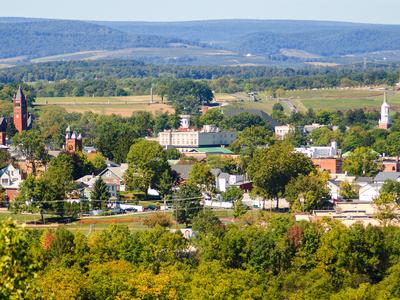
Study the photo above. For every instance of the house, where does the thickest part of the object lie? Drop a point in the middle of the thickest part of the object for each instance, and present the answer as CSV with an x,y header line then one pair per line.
x,y
369,192
363,181
112,176
391,164
10,179
183,170
310,128
334,189
320,151
282,131
381,177
332,165
224,180
185,139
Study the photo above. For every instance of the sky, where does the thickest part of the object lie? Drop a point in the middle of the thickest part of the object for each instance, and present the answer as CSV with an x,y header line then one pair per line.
x,y
366,11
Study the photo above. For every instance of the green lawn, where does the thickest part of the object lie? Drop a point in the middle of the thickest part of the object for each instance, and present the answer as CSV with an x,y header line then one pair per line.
x,y
87,225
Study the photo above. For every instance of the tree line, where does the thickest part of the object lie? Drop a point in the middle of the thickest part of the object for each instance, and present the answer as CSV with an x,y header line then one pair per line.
x,y
261,256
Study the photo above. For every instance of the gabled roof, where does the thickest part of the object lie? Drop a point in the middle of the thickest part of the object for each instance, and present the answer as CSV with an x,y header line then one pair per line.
x,y
365,179
183,170
117,171
383,176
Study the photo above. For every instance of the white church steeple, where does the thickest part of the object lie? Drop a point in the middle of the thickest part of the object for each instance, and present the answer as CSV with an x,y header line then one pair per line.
x,y
385,122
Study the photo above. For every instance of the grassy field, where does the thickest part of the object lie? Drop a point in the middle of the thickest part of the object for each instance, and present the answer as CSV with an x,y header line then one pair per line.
x,y
87,225
342,99
124,106
339,99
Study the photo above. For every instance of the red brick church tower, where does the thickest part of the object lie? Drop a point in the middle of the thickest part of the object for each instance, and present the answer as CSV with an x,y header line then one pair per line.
x,y
73,141
20,111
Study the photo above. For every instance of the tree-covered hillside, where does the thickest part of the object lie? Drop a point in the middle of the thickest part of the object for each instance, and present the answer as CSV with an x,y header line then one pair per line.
x,y
267,38
41,38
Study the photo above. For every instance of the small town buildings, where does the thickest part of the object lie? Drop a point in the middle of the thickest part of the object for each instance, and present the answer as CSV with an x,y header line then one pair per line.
x,y
185,139
320,151
73,141
381,177
283,130
310,128
10,179
385,121
391,164
369,192
332,165
112,176
224,180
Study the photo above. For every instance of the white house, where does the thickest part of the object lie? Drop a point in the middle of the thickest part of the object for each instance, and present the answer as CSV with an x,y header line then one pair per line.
x,y
112,176
320,151
282,131
369,192
334,189
224,180
10,176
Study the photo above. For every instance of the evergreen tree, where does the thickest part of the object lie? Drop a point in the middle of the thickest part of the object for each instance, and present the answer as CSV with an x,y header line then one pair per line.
x,y
99,194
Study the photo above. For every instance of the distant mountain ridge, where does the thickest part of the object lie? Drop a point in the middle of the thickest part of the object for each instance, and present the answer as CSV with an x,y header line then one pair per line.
x,y
35,38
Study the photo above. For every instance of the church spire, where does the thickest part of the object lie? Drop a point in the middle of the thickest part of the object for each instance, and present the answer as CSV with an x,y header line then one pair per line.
x,y
385,122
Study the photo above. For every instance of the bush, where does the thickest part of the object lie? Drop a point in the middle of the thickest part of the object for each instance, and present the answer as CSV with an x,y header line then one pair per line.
x,y
160,219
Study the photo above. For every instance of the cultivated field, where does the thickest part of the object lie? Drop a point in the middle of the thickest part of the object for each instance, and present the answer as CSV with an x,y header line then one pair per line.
x,y
124,106
335,99
345,99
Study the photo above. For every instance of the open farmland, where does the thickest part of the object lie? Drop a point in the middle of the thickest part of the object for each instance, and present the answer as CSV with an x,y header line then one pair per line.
x,y
124,106
329,99
342,99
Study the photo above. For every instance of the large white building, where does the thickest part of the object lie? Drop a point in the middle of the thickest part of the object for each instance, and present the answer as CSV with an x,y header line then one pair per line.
x,y
185,138
283,130
320,151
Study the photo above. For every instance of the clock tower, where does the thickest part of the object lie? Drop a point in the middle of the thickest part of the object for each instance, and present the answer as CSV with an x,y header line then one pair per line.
x,y
20,111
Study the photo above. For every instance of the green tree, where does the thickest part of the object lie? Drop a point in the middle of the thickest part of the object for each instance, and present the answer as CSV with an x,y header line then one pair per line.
x,y
386,208
100,194
392,187
242,121
201,176
307,192
212,117
31,146
324,136
249,140
146,160
239,209
272,168
348,190
188,95
17,269
186,203
362,162
232,194
35,195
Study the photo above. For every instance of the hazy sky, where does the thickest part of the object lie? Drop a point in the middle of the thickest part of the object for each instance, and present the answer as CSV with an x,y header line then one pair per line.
x,y
368,11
